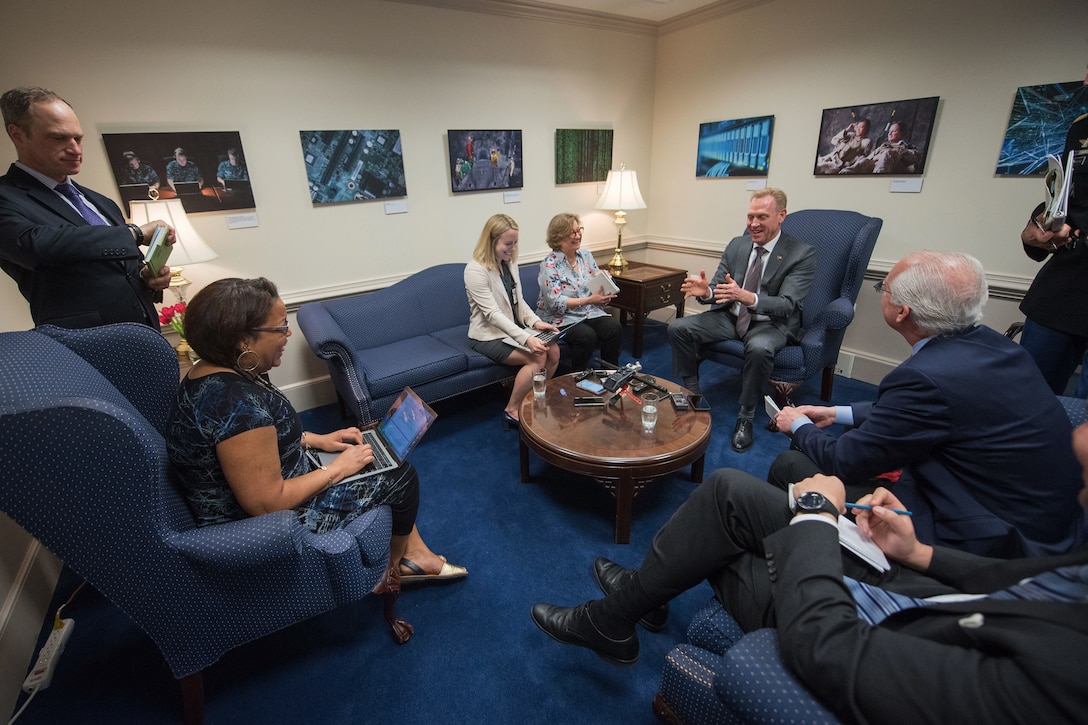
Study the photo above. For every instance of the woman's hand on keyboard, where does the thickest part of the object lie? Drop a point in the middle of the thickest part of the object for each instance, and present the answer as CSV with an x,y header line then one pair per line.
x,y
338,440
353,459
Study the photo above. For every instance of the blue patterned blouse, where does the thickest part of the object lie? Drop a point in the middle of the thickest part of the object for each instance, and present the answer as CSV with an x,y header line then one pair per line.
x,y
219,406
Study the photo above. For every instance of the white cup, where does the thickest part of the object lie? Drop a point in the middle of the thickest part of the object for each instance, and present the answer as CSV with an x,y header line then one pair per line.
x,y
649,411
540,382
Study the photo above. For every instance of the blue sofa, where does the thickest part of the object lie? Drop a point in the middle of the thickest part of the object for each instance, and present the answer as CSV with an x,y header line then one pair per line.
x,y
413,333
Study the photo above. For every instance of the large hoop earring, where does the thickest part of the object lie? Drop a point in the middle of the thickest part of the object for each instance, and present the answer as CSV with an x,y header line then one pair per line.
x,y
251,368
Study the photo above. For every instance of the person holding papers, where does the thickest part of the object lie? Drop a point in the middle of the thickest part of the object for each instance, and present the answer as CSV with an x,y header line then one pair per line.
x,y
499,316
976,443
1008,654
1056,304
574,289
239,447
68,248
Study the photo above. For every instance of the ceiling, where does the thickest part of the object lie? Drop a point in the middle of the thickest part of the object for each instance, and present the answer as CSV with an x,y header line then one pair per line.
x,y
652,10
650,17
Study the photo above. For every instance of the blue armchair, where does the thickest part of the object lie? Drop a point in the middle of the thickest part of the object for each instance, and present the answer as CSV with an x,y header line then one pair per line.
x,y
844,241
101,496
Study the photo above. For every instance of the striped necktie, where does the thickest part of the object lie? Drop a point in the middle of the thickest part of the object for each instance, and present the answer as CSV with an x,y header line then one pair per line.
x,y
752,279
1065,584
69,192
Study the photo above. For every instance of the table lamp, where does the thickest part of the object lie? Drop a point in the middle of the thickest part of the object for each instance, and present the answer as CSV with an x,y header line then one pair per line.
x,y
620,193
189,248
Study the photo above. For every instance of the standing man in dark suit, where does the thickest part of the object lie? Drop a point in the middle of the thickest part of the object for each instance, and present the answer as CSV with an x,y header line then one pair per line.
x,y
68,248
982,442
992,659
765,313
1056,304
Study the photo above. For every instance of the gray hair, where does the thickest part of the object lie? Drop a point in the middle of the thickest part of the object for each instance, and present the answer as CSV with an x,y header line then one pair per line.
x,y
946,291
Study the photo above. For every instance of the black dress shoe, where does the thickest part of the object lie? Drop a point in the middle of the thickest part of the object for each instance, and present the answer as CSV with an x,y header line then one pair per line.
x,y
572,625
611,576
742,435
509,421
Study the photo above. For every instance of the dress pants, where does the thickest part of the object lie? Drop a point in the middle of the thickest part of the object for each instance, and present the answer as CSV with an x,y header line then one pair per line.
x,y
717,536
590,333
761,343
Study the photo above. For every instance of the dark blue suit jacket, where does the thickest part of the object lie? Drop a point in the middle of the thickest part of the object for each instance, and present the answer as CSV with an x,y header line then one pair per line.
x,y
984,444
73,274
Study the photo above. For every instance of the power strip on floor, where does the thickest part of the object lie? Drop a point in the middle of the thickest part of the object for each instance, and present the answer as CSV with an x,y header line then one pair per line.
x,y
42,673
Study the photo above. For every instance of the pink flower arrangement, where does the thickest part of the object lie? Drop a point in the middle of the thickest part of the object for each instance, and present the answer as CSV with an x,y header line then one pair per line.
x,y
174,315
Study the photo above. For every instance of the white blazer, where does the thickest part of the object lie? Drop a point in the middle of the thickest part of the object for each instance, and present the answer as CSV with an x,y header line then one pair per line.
x,y
491,317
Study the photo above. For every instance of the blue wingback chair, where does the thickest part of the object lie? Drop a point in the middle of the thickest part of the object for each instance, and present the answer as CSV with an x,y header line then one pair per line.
x,y
844,241
100,494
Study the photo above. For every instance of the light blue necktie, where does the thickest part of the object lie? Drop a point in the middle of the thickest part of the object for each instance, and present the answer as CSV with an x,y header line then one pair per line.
x,y
1066,584
69,192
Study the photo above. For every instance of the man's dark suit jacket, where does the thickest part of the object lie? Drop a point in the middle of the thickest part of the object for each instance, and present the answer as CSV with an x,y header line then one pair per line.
x,y
984,444
985,661
787,275
73,274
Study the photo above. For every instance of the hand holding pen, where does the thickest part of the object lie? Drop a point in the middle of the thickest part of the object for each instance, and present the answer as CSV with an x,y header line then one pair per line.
x,y
892,532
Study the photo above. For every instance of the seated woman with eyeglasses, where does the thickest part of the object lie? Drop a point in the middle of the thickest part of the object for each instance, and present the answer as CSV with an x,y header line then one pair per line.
x,y
497,310
239,447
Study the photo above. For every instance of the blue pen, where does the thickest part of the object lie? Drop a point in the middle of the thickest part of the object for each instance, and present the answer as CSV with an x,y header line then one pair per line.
x,y
870,508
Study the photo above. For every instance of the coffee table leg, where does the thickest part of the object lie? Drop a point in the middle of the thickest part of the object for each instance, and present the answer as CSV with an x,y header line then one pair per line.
x,y
625,499
697,469
523,453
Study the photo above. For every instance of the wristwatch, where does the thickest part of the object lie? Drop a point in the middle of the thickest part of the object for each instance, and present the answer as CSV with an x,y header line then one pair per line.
x,y
812,502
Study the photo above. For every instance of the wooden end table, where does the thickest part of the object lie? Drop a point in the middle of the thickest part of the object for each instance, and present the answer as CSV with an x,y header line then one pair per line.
x,y
609,444
645,288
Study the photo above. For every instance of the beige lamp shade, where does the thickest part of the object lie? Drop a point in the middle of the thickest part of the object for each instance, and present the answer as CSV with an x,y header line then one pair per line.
x,y
189,248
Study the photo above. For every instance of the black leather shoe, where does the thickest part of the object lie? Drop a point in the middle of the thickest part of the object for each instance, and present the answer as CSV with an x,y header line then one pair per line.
x,y
742,435
572,625
611,576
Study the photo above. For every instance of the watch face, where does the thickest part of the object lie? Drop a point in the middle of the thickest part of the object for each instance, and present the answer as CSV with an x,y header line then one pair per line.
x,y
811,501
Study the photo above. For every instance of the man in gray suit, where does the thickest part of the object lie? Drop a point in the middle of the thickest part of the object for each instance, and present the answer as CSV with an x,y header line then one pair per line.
x,y
764,313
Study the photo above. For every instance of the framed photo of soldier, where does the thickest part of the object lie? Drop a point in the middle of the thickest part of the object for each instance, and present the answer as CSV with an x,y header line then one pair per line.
x,y
876,138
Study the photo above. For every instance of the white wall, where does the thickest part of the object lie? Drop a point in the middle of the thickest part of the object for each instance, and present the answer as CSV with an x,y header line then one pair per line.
x,y
270,69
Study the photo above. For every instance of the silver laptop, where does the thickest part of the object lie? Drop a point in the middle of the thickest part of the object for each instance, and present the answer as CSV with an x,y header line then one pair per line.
x,y
544,335
400,429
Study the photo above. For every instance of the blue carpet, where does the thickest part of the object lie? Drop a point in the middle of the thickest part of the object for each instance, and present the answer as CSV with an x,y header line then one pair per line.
x,y
476,655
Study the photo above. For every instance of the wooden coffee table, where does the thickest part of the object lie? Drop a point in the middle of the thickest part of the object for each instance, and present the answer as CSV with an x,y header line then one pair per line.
x,y
609,444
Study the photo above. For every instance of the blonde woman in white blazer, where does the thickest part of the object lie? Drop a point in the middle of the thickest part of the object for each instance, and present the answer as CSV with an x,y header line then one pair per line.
x,y
497,310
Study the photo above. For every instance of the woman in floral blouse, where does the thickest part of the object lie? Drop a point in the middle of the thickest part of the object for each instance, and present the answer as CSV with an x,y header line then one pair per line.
x,y
568,293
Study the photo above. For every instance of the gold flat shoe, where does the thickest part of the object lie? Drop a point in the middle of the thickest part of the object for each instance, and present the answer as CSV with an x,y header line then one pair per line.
x,y
449,572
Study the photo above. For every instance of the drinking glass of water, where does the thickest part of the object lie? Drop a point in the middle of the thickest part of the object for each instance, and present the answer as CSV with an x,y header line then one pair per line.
x,y
540,382
649,411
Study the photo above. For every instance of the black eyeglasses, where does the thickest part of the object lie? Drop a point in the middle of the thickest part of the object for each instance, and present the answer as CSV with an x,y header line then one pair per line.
x,y
282,329
882,287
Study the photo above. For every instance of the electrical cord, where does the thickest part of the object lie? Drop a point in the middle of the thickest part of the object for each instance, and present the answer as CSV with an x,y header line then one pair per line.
x,y
57,624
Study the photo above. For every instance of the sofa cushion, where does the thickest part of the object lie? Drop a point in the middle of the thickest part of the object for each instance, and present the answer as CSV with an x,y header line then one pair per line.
x,y
389,368
457,338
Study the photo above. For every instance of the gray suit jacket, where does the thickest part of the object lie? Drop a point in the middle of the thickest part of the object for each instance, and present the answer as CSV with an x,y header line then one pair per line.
x,y
787,275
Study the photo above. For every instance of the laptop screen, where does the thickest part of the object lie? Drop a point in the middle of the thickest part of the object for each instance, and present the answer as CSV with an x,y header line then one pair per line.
x,y
405,423
187,187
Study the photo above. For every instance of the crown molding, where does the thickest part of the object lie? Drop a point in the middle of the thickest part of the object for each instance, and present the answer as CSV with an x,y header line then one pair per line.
x,y
547,12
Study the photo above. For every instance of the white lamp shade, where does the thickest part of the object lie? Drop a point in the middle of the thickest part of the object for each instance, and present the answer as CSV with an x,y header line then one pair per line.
x,y
621,191
189,248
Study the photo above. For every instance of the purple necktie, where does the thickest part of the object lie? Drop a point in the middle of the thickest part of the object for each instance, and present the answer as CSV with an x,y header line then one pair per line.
x,y
751,283
69,192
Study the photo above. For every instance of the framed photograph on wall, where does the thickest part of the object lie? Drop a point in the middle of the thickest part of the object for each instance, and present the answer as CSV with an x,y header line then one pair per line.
x,y
205,169
582,155
1038,123
876,138
481,160
740,147
353,165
